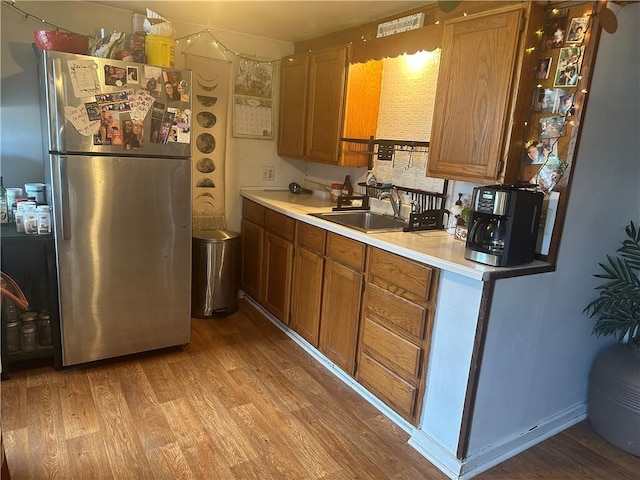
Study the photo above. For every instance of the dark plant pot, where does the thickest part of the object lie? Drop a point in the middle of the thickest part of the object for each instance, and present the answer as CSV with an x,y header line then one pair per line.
x,y
614,396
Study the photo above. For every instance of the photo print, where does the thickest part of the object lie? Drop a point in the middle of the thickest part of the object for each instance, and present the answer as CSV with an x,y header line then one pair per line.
x,y
152,80
541,150
552,127
549,174
115,76
544,66
132,75
568,70
172,80
565,105
548,100
554,29
577,30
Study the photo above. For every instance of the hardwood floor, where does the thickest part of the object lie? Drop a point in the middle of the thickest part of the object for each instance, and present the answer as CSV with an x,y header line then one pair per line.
x,y
242,401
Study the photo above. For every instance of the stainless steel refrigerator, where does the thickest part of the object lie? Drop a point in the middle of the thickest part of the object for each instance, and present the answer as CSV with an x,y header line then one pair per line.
x,y
118,178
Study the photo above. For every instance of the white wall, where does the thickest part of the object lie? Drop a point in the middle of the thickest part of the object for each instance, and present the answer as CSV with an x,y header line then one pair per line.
x,y
537,321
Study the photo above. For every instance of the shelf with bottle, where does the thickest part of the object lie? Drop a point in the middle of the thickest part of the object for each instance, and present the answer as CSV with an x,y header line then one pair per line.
x,y
29,261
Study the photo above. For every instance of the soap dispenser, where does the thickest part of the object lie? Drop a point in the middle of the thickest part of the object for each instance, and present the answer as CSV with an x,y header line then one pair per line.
x,y
454,213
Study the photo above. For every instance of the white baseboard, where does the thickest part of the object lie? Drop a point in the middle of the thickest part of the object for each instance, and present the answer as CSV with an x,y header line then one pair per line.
x,y
511,446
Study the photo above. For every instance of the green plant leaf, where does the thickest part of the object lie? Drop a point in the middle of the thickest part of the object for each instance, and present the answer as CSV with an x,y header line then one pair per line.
x,y
617,308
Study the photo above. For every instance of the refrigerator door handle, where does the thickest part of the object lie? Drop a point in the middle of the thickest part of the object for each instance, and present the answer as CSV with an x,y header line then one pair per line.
x,y
58,103
63,196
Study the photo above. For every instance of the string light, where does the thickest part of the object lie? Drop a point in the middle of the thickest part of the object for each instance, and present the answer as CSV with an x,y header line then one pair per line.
x,y
27,16
216,43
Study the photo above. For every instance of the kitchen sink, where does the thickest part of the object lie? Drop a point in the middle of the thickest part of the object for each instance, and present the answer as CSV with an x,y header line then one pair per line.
x,y
364,221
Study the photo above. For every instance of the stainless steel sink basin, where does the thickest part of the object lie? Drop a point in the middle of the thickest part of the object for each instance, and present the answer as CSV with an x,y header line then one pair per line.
x,y
364,221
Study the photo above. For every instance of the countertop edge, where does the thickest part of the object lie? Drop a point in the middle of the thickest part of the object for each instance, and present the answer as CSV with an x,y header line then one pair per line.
x,y
299,206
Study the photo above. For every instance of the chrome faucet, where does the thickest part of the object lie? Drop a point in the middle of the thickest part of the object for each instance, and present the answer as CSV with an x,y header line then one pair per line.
x,y
394,198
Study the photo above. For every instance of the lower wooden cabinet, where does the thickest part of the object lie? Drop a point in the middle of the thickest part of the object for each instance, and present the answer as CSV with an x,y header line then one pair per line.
x,y
340,314
374,323
267,257
251,241
396,322
278,269
341,300
308,271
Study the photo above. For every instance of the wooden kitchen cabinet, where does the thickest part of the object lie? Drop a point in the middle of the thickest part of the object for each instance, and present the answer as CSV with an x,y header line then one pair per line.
x,y
341,300
294,74
397,318
323,99
308,274
252,244
267,257
478,83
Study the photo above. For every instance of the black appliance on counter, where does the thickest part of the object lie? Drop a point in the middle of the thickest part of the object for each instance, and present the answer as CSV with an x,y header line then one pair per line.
x,y
503,225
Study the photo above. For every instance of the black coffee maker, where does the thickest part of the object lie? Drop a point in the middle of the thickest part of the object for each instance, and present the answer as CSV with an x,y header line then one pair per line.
x,y
503,225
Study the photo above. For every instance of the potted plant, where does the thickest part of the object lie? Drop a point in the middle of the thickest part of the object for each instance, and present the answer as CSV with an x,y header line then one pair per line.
x,y
614,382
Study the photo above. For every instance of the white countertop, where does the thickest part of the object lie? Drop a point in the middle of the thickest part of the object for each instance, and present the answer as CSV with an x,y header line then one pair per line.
x,y
432,247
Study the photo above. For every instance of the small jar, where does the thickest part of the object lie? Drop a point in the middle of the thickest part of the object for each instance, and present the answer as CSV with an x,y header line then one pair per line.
x,y
29,318
12,335
19,216
44,329
44,219
28,338
30,219
9,311
336,191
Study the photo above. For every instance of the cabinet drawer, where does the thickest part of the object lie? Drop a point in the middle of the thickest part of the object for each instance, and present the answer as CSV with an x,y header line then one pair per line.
x,y
395,312
280,224
346,251
310,237
393,390
399,355
253,212
406,278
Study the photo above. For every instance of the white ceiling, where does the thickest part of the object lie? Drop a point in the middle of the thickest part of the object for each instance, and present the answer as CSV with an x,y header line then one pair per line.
x,y
291,21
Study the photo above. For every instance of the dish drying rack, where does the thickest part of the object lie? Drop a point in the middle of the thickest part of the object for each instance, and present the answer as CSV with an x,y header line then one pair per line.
x,y
382,150
427,208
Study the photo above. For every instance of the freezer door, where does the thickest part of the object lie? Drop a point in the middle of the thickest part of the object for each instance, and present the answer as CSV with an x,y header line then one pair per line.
x,y
123,242
91,105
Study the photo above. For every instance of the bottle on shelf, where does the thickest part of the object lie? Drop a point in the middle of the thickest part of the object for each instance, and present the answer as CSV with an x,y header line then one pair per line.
x,y
4,207
347,188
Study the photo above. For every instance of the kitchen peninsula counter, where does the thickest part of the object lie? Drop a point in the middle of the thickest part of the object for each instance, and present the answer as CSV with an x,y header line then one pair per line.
x,y
432,247
483,344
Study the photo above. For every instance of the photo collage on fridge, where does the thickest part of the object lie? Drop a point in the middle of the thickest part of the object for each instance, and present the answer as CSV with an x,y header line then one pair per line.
x,y
124,96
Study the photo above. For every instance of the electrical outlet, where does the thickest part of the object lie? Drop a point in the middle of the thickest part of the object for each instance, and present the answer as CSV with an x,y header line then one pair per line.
x,y
268,174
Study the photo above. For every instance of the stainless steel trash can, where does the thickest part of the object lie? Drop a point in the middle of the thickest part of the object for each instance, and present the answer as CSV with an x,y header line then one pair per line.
x,y
215,272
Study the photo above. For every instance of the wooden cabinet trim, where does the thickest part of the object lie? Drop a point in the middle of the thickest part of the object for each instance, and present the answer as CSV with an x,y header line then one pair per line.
x,y
391,350
311,237
351,253
401,276
253,212
280,225
388,386
402,316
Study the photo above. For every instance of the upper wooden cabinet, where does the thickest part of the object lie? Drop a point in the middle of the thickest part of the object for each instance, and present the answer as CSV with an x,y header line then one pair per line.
x,y
478,84
294,72
323,99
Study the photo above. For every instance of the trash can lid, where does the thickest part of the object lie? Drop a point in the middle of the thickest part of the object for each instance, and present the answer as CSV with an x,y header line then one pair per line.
x,y
215,236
